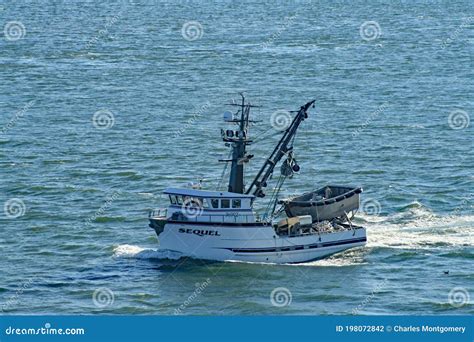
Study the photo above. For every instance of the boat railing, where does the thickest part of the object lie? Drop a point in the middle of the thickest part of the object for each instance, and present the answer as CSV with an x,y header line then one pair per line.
x,y
199,217
215,218
161,212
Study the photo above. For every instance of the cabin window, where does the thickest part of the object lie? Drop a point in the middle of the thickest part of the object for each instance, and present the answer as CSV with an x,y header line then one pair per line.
x,y
225,203
179,200
192,202
215,203
205,203
172,199
236,203
196,202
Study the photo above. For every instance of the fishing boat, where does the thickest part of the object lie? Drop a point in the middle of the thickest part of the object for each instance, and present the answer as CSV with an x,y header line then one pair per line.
x,y
224,226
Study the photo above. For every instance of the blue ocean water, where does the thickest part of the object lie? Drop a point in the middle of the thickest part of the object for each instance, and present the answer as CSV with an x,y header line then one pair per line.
x,y
103,105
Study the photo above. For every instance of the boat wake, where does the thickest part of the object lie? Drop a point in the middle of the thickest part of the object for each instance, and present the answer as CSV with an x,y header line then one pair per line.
x,y
416,226
136,252
345,259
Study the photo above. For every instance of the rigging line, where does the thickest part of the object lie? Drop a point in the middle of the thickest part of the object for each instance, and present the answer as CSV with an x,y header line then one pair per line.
x,y
267,208
273,200
257,128
279,211
223,172
262,137
282,178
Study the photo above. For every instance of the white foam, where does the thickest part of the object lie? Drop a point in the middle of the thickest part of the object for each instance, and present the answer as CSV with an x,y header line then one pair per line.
x,y
330,262
136,252
146,194
418,227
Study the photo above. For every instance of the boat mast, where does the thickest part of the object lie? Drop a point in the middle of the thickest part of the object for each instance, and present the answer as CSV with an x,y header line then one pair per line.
x,y
238,140
280,150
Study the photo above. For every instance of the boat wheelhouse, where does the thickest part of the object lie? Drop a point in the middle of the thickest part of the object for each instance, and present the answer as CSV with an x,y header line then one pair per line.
x,y
190,205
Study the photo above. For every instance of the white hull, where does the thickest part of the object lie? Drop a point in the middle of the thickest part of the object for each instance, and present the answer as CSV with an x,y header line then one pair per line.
x,y
254,243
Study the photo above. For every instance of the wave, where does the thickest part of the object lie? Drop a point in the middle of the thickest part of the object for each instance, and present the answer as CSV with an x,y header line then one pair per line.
x,y
351,257
330,262
105,219
136,252
417,226
133,175
458,254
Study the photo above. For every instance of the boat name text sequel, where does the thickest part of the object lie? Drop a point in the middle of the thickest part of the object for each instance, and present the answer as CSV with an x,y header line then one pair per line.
x,y
200,232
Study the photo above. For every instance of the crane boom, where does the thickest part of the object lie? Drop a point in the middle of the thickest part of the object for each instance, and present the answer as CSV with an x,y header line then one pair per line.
x,y
279,151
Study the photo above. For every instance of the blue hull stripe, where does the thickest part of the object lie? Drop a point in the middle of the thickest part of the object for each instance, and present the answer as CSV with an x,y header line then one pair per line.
x,y
295,248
